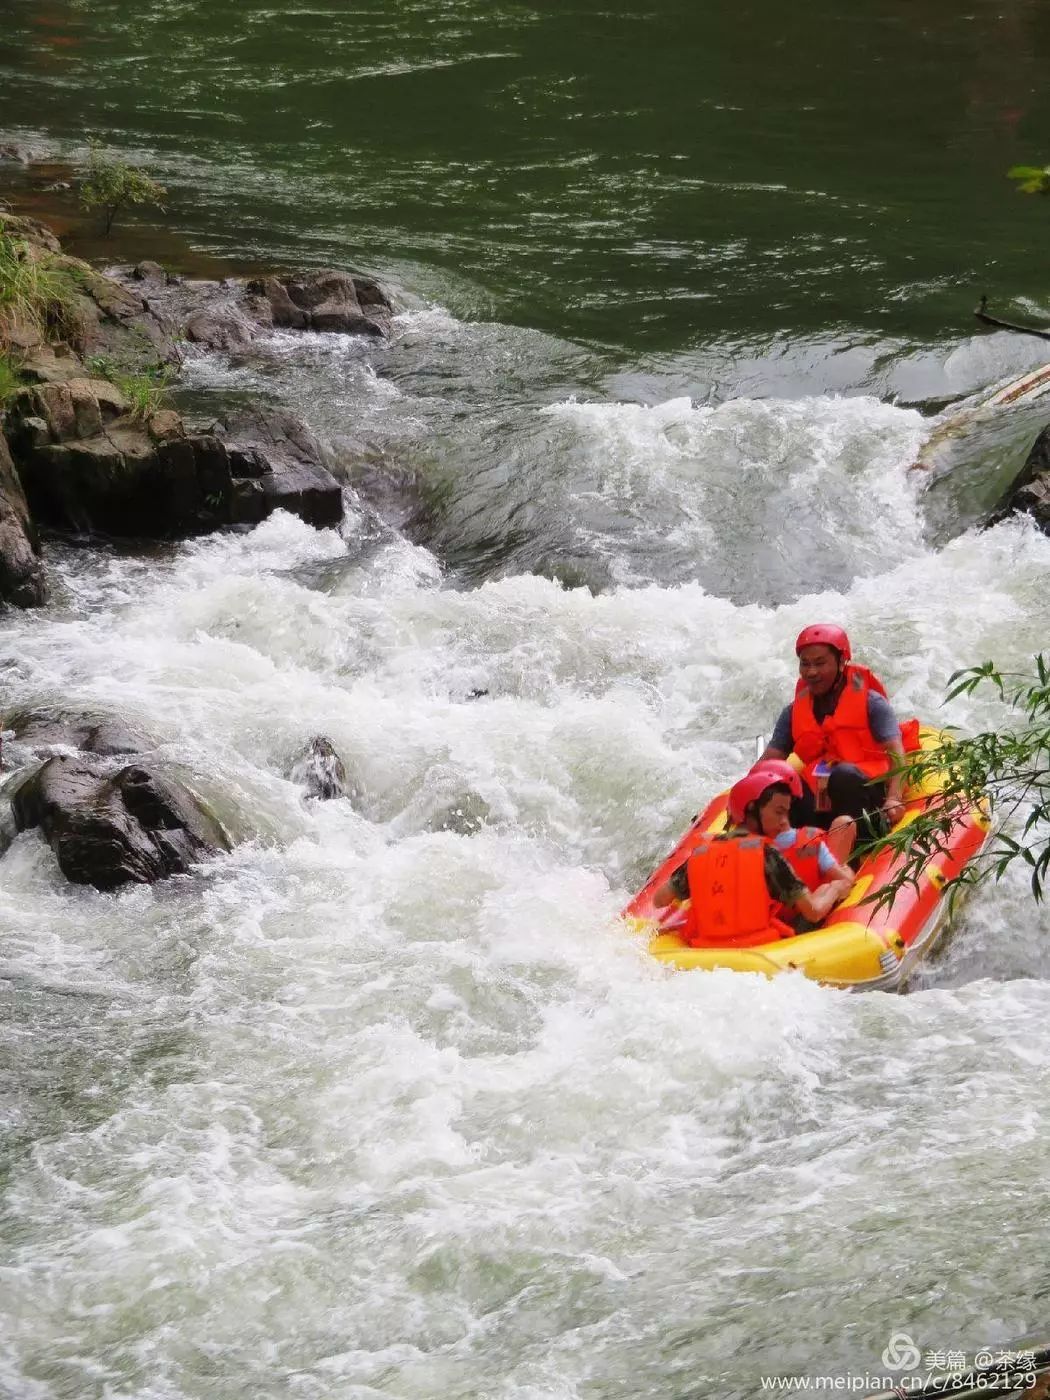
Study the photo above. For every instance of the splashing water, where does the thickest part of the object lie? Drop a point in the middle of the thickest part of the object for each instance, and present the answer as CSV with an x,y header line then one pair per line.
x,y
387,1101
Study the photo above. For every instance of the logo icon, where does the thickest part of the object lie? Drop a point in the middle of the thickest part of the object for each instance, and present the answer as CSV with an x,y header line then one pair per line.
x,y
901,1353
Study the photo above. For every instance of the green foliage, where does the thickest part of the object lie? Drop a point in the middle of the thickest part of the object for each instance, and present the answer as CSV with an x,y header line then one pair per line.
x,y
1032,179
1009,769
111,185
146,393
36,292
146,390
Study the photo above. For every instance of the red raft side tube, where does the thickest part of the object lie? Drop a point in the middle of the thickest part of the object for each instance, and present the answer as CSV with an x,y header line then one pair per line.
x,y
859,944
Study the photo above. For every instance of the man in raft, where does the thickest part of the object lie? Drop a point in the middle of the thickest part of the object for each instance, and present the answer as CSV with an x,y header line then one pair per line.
x,y
843,728
740,884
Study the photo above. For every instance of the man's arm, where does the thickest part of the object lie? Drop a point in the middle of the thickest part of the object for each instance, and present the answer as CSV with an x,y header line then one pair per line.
x,y
831,868
780,741
894,804
885,727
817,904
783,884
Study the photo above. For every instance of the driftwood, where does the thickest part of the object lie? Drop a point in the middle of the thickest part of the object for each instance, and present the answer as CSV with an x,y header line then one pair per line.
x,y
982,315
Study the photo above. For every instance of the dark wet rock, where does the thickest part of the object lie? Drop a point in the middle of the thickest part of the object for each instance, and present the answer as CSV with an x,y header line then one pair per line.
x,y
278,464
147,271
22,579
320,771
1029,493
228,315
110,829
465,813
103,735
221,327
332,301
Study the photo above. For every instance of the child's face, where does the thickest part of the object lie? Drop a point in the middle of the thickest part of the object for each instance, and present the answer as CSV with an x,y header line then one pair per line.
x,y
775,814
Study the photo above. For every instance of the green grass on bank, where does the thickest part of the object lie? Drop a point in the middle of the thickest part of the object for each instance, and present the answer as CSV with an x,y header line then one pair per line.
x,y
10,380
40,296
36,294
145,389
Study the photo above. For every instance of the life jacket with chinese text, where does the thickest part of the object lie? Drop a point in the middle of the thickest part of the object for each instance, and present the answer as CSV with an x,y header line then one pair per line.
x,y
730,903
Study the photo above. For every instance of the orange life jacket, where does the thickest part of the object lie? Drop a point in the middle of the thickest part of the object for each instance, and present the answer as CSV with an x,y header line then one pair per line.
x,y
845,735
730,903
804,855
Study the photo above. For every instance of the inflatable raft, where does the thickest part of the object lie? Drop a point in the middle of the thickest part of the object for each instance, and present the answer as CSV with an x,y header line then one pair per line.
x,y
860,944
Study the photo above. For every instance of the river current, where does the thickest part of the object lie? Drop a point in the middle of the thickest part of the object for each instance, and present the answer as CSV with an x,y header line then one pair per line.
x,y
387,1102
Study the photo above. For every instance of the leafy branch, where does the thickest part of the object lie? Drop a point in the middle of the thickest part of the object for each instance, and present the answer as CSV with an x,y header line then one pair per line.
x,y
1008,770
1031,179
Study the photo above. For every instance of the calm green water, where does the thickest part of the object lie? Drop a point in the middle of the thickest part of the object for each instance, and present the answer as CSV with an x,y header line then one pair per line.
x,y
648,175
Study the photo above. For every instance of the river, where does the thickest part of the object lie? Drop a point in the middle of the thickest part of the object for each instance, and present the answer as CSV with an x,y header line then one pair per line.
x,y
386,1102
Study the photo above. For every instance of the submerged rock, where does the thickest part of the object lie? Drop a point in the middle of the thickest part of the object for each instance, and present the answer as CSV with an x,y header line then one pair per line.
x,y
22,579
110,829
320,771
103,735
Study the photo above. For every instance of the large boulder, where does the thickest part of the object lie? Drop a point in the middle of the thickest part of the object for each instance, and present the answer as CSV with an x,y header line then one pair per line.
x,y
1029,492
278,464
327,300
22,579
88,464
221,326
109,829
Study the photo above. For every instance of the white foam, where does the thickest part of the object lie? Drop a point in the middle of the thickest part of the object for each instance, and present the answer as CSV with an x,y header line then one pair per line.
x,y
755,492
388,1099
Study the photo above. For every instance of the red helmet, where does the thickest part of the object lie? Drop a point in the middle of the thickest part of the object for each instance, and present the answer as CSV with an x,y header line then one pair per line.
x,y
782,772
824,634
761,778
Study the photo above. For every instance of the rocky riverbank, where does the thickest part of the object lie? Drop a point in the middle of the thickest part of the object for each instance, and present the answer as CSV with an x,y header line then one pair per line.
x,y
91,446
